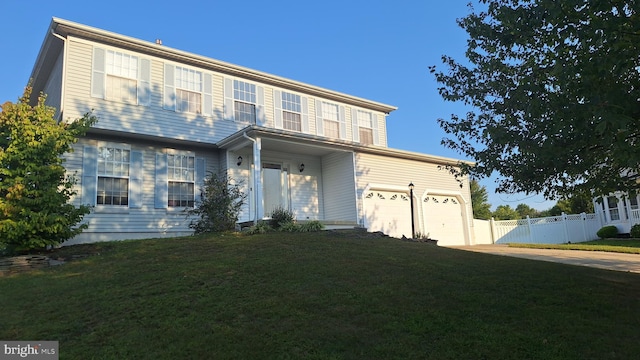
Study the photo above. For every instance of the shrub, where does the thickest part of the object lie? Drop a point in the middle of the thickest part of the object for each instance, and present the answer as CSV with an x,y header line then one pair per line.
x,y
219,206
289,227
635,231
281,217
310,226
261,227
607,232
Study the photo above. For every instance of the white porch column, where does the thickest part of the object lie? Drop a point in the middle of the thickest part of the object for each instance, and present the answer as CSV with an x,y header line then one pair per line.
x,y
257,177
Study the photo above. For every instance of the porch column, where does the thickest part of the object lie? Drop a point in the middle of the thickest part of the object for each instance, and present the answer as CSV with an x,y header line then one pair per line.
x,y
257,178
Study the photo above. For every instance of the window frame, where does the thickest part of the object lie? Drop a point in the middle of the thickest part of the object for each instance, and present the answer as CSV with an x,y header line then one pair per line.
x,y
104,174
110,73
327,120
190,180
367,128
189,86
239,99
291,111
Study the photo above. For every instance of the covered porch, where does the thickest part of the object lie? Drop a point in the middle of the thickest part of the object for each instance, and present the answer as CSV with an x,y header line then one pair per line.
x,y
314,178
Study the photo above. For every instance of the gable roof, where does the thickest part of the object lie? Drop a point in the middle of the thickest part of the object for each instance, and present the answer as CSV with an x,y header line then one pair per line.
x,y
59,27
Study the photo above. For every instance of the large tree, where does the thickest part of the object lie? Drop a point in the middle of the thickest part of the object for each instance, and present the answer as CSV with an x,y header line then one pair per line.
x,y
554,92
34,187
479,200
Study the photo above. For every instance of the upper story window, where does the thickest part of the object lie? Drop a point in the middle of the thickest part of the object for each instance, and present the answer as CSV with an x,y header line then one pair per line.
x,y
122,77
119,76
113,176
291,112
181,177
188,90
365,127
331,122
244,95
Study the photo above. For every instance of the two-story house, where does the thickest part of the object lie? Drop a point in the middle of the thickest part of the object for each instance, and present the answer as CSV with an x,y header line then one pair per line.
x,y
167,118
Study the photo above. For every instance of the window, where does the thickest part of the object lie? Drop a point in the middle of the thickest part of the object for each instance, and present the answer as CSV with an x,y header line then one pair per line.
x,y
244,95
330,118
113,176
291,112
633,203
122,77
365,127
612,204
188,90
181,175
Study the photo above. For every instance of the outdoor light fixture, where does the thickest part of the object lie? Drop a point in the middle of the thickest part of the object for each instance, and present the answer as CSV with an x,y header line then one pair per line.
x,y
413,225
239,161
301,167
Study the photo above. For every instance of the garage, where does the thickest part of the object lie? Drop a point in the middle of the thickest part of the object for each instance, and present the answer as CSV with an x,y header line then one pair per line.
x,y
387,211
443,219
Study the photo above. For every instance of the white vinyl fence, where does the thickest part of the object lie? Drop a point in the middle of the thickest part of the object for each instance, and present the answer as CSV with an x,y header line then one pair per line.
x,y
548,230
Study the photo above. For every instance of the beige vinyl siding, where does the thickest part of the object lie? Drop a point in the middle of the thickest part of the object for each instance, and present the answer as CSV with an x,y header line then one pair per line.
x,y
150,120
145,221
305,189
384,170
53,87
339,187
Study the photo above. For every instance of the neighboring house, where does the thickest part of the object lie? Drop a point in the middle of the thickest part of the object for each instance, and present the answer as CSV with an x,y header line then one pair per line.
x,y
167,118
618,209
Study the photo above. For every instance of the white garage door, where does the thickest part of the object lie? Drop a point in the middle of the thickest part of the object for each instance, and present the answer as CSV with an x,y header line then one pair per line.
x,y
389,212
443,219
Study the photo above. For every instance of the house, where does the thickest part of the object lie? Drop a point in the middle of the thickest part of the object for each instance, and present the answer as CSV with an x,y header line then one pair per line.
x,y
618,209
167,118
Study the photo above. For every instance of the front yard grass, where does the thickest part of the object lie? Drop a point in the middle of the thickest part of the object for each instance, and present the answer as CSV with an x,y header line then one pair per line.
x,y
318,296
628,246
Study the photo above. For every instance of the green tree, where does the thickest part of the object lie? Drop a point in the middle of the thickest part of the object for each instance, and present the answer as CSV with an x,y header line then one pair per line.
x,y
525,210
34,189
505,212
219,205
553,87
480,201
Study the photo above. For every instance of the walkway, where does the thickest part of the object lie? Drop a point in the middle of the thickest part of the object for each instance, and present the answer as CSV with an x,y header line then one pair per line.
x,y
597,259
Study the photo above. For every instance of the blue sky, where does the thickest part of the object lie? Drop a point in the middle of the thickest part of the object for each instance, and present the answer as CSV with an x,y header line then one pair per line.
x,y
374,49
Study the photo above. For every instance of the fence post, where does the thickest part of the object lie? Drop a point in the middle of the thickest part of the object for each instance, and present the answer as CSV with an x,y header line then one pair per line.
x,y
564,225
492,226
584,226
530,229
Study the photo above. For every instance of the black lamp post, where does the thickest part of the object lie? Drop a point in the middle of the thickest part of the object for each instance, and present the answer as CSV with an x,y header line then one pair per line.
x,y
413,225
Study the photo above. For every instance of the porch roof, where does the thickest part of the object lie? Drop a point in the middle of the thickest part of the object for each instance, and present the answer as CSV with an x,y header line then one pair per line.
x,y
319,146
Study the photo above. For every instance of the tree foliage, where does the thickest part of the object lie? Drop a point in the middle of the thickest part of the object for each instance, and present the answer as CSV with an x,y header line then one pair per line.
x,y
505,212
480,201
555,88
219,206
525,210
34,189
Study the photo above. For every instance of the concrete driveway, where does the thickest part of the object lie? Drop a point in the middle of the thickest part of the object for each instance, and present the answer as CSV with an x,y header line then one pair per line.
x,y
597,259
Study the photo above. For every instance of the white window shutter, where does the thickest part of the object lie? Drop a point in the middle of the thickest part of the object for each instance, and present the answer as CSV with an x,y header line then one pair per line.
x,y
261,117
319,122
228,99
98,74
374,121
89,175
169,87
144,85
277,108
200,175
305,114
207,104
343,123
135,180
161,197
354,124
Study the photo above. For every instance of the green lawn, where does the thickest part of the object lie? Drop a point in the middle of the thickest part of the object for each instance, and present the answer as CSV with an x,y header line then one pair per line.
x,y
318,296
628,246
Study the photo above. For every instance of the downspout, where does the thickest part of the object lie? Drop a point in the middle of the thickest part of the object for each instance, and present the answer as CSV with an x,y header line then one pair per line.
x,y
64,72
256,174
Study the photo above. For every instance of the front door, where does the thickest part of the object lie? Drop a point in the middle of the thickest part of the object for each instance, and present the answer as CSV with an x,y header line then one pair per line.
x,y
275,187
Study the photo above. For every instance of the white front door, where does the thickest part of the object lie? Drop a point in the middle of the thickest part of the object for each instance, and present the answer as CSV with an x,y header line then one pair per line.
x,y
275,187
